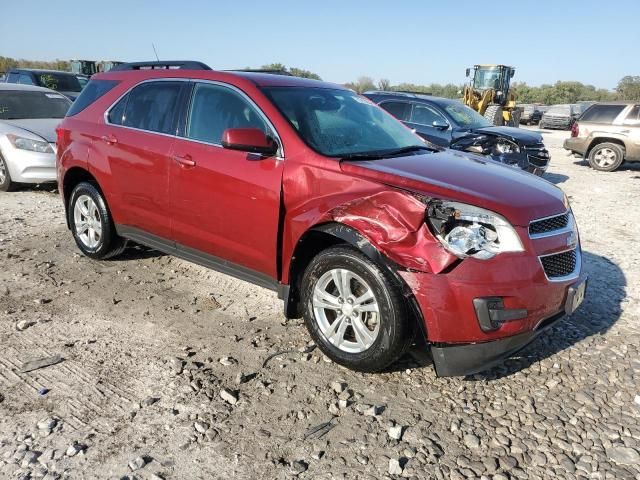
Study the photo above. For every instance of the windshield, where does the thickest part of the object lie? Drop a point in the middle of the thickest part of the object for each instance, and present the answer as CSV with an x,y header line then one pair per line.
x,y
340,123
487,78
560,109
16,105
60,82
466,117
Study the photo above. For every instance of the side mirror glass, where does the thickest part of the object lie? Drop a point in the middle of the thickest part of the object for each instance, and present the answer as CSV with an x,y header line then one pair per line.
x,y
440,125
251,140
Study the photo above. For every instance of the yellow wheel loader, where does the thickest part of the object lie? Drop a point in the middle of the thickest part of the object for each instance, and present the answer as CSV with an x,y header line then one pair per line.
x,y
488,93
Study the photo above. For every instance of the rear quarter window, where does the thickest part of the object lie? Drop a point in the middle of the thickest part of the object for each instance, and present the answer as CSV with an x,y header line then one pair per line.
x,y
92,92
602,113
400,110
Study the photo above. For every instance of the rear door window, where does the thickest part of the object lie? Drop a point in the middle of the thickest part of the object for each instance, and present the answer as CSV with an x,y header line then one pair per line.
x,y
215,108
154,106
602,113
400,110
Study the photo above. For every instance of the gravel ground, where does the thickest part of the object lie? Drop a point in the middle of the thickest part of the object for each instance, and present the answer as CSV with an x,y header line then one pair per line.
x,y
163,370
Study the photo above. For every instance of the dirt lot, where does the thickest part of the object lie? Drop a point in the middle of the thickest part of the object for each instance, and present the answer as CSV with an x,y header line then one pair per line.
x,y
163,377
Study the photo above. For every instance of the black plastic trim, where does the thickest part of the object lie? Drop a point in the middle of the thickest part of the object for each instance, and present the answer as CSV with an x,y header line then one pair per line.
x,y
178,64
195,256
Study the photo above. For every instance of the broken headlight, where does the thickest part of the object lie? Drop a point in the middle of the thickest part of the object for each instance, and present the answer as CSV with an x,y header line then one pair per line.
x,y
468,231
503,146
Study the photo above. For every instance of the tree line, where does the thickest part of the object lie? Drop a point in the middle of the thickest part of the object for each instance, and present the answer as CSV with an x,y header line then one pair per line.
x,y
628,88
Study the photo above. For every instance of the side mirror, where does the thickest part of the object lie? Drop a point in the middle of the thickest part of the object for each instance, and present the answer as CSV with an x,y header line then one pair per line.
x,y
467,72
251,140
440,125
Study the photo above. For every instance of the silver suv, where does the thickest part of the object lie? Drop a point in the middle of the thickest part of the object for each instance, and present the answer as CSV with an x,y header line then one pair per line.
x,y
607,134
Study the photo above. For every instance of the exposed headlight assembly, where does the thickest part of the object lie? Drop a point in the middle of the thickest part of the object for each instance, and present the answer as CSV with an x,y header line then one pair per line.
x,y
23,143
503,146
468,231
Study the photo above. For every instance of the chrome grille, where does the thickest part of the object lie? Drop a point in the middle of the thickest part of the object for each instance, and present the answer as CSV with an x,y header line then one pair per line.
x,y
538,155
549,224
560,264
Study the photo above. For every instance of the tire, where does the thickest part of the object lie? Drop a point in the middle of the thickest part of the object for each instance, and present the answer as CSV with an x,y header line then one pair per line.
x,y
388,330
88,208
493,113
515,118
606,157
6,185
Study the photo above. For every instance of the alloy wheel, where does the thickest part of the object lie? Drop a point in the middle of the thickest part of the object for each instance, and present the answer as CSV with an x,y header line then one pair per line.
x,y
605,157
87,221
346,310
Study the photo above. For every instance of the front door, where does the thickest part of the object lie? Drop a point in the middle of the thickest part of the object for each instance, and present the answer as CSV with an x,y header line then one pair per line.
x,y
225,203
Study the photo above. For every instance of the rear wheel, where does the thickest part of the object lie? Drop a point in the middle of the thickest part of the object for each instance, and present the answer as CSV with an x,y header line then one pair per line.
x,y
91,223
606,157
354,311
493,113
6,185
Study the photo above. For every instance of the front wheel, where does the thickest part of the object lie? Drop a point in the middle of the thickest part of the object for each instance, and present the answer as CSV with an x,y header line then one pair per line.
x,y
91,223
6,185
493,113
354,310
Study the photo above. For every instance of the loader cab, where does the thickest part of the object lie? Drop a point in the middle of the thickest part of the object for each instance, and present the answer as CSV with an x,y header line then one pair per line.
x,y
492,77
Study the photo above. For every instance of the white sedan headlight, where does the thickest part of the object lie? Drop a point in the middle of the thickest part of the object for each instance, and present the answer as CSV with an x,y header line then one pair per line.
x,y
23,143
469,231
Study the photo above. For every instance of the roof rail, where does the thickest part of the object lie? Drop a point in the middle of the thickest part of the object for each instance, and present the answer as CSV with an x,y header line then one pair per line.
x,y
412,92
162,65
262,70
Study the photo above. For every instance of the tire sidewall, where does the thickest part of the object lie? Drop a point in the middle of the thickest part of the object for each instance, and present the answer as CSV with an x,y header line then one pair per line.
x,y
611,168
7,185
105,220
392,316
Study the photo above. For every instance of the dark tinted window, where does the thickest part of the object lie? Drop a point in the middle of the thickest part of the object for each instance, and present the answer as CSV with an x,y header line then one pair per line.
x,y
95,89
117,111
19,104
13,77
425,115
153,106
633,117
400,110
215,108
602,113
64,82
25,79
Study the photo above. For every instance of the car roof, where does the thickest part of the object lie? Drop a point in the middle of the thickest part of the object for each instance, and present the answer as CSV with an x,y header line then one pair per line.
x,y
18,86
259,79
38,70
441,101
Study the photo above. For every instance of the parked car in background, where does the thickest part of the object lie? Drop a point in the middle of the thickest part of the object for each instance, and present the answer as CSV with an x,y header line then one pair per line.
x,y
64,82
83,79
560,117
309,189
607,134
531,114
451,124
28,118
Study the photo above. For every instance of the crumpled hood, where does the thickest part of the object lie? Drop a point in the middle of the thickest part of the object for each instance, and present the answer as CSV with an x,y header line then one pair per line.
x,y
518,196
526,137
43,127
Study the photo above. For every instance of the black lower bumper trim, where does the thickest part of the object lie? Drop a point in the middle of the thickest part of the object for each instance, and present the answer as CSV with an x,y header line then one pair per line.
x,y
470,358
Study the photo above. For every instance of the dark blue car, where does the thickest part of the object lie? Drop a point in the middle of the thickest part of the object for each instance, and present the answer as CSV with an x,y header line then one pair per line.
x,y
451,124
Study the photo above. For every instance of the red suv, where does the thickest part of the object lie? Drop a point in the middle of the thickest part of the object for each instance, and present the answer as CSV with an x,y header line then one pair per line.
x,y
311,190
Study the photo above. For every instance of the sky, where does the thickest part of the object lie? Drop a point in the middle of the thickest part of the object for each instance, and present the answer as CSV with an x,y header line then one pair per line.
x,y
419,42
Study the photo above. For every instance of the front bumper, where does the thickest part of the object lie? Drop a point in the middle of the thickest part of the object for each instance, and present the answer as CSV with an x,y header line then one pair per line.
x,y
30,167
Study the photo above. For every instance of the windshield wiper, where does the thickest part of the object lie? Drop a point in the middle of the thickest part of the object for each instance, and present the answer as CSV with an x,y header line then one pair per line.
x,y
386,153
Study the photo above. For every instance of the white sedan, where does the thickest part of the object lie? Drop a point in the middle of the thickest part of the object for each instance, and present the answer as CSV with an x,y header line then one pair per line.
x,y
29,116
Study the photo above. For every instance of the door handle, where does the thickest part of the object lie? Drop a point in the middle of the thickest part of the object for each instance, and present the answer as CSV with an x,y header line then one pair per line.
x,y
185,161
109,139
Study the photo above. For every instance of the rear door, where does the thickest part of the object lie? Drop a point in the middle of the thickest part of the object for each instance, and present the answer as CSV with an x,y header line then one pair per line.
x,y
225,203
631,123
137,139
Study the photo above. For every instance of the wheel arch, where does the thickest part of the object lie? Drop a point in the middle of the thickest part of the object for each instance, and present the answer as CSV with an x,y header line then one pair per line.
x,y
598,140
326,235
72,178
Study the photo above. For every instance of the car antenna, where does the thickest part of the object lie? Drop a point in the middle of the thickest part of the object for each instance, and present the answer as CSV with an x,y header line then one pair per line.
x,y
154,51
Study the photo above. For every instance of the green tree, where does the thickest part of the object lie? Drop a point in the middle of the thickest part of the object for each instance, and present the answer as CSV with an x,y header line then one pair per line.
x,y
629,88
384,84
362,84
296,72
